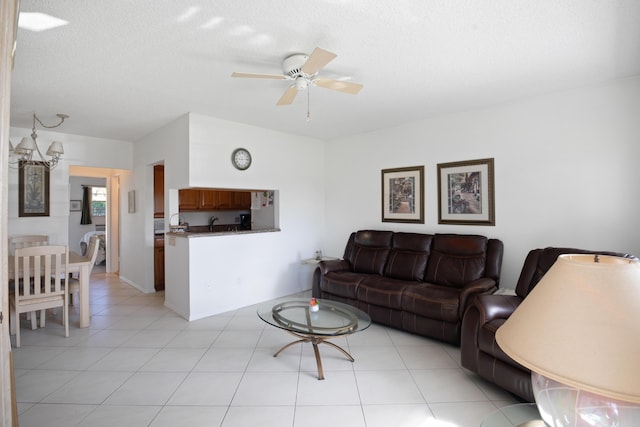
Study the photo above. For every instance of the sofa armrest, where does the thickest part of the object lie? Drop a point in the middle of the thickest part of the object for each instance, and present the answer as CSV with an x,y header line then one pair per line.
x,y
323,268
478,287
491,307
333,265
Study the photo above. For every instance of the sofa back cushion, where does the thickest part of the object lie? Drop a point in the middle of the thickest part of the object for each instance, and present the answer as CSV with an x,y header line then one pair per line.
x,y
539,261
408,256
369,250
456,260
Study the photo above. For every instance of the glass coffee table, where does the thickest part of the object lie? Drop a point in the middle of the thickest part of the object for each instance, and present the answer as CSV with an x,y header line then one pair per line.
x,y
332,319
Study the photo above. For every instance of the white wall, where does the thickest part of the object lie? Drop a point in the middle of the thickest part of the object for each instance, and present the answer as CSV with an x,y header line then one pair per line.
x,y
227,272
166,145
566,169
79,151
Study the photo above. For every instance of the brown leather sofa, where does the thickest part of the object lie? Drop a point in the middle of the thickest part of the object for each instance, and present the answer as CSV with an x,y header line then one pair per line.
x,y
420,283
480,352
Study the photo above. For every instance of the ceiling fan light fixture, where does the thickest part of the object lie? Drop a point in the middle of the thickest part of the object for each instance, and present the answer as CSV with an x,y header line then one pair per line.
x,y
301,83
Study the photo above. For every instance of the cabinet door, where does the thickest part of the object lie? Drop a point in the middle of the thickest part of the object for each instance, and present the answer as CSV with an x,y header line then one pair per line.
x,y
224,200
158,264
208,199
242,200
189,200
158,191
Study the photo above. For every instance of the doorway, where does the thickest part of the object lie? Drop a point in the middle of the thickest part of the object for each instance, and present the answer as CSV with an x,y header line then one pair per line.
x,y
106,222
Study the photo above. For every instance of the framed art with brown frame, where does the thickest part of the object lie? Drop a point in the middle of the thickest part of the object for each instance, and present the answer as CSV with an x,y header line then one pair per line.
x,y
33,189
466,193
403,194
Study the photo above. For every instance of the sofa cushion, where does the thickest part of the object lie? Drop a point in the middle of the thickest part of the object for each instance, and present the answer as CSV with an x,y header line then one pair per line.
x,y
341,283
370,250
408,256
432,301
382,291
456,260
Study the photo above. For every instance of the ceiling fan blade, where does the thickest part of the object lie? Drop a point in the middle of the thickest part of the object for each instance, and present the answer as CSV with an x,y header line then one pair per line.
x,y
260,76
339,85
288,97
318,59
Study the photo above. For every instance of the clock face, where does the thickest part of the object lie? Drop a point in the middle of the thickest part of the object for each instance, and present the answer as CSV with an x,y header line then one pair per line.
x,y
241,158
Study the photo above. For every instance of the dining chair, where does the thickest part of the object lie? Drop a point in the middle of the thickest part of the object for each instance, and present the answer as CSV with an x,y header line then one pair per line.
x,y
27,241
39,284
92,251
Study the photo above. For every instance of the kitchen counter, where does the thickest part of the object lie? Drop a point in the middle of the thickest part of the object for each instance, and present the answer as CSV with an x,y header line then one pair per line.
x,y
207,233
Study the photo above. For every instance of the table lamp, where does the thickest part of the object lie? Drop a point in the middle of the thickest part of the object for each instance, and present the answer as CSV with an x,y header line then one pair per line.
x,y
578,331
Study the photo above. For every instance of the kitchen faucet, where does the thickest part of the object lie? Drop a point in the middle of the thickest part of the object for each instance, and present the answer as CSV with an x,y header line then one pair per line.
x,y
211,221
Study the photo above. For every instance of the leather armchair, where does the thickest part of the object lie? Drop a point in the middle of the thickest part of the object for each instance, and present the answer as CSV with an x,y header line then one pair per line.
x,y
480,352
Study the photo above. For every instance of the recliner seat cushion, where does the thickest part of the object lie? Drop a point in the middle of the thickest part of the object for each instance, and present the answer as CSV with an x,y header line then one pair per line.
x,y
341,283
432,301
382,291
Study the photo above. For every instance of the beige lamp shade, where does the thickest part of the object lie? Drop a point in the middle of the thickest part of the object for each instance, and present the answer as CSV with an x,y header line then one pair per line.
x,y
55,148
580,326
26,145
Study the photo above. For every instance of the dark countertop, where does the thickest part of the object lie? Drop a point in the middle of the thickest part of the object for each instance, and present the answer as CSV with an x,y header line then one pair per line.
x,y
194,232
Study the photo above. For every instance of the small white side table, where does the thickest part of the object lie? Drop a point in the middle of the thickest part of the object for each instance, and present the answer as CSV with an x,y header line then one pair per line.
x,y
312,261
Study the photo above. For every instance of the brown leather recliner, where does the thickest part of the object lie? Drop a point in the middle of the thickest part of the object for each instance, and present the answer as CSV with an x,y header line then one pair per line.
x,y
480,352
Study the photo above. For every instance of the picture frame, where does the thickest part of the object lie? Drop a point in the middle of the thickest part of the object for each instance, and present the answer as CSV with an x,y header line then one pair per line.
x,y
33,189
132,201
403,195
466,192
75,205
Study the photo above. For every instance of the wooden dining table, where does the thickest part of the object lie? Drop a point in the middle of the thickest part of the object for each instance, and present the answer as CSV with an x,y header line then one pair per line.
x,y
77,264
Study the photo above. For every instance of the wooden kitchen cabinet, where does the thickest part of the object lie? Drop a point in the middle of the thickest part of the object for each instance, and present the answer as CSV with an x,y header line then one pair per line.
x,y
189,200
158,264
241,200
210,200
158,191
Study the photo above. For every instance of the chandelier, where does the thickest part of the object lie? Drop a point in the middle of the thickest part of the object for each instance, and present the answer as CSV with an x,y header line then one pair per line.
x,y
23,153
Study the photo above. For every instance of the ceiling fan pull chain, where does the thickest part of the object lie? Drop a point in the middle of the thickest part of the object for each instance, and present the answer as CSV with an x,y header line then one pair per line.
x,y
308,102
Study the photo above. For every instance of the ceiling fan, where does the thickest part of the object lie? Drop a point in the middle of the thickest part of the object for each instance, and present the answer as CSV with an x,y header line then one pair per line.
x,y
303,69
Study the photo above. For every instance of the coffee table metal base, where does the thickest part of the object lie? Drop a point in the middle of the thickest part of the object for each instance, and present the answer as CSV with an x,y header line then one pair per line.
x,y
314,340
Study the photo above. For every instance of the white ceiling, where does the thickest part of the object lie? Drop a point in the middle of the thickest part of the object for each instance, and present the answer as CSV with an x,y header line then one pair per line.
x,y
123,68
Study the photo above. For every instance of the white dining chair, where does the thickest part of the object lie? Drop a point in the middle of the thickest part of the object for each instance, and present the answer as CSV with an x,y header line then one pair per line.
x,y
39,284
92,252
27,241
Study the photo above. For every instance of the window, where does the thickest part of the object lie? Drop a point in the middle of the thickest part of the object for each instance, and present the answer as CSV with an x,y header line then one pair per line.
x,y
98,201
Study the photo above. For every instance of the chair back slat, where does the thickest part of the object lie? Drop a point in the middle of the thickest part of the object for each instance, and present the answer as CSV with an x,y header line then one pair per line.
x,y
41,271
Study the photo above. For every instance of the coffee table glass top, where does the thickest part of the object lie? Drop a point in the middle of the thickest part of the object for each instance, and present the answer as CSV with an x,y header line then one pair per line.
x,y
332,319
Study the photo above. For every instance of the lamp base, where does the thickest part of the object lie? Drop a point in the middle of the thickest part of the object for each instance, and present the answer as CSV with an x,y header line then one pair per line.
x,y
561,405
533,423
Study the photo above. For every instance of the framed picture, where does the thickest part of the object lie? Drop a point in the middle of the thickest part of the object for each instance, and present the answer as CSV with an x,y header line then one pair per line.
x,y
75,205
132,201
33,189
403,194
465,192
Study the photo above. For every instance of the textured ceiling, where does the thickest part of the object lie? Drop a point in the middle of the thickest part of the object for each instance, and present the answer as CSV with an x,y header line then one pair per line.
x,y
123,68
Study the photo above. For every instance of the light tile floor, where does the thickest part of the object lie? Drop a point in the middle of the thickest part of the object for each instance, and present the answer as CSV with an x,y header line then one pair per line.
x,y
140,364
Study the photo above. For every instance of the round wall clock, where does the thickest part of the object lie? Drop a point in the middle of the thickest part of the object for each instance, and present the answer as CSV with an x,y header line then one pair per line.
x,y
241,158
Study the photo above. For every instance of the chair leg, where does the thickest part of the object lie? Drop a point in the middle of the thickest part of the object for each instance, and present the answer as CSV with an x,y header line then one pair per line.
x,y
65,318
34,319
43,316
18,330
